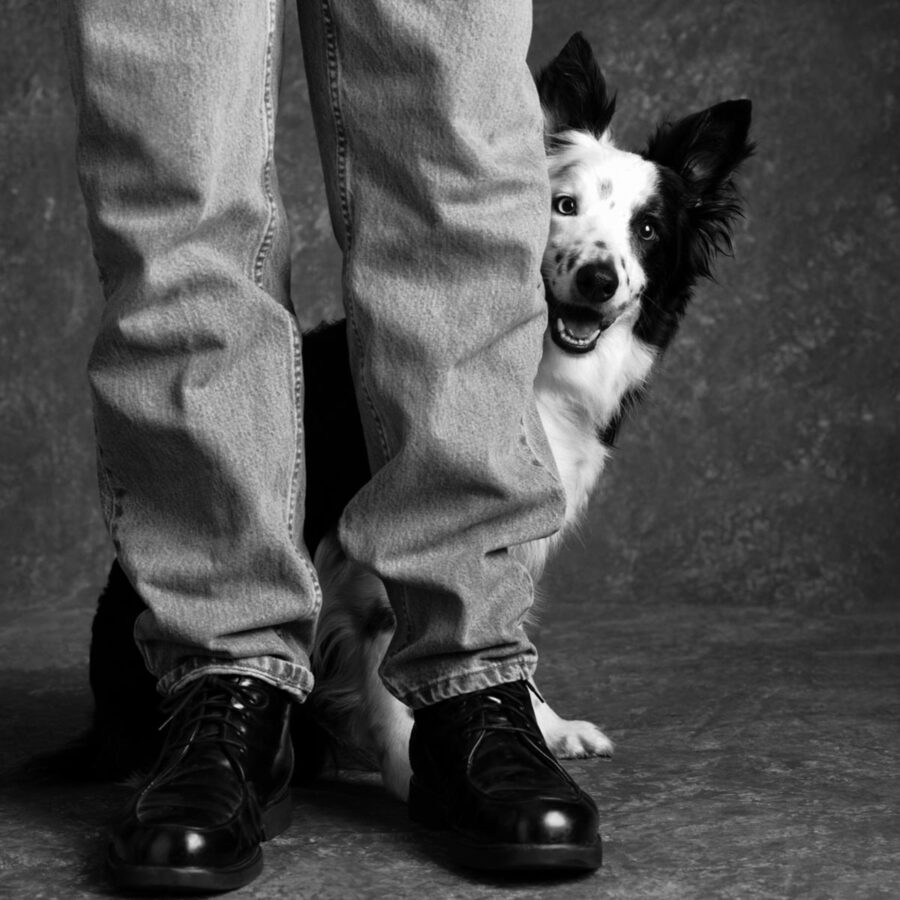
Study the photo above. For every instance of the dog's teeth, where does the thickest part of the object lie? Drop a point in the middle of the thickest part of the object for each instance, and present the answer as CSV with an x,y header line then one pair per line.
x,y
575,340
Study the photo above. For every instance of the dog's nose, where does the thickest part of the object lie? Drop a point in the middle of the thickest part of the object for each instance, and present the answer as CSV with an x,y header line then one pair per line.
x,y
597,281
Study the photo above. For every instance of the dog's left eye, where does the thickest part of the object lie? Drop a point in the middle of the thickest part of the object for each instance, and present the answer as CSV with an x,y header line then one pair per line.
x,y
646,230
565,205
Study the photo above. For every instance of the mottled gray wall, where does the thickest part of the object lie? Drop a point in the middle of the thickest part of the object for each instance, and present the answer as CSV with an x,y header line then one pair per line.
x,y
764,470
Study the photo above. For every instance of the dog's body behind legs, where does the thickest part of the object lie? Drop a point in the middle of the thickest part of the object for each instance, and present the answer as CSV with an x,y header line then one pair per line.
x,y
350,701
630,235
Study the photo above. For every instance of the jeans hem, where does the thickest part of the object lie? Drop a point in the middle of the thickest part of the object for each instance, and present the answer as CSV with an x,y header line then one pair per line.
x,y
520,669
279,673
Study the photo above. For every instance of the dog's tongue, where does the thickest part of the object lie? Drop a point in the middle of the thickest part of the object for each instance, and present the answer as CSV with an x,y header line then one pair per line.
x,y
580,330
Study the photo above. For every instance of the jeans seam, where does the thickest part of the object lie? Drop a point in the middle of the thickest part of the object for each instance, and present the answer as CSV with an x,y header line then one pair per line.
x,y
402,600
294,492
111,496
268,124
342,179
107,489
297,378
339,130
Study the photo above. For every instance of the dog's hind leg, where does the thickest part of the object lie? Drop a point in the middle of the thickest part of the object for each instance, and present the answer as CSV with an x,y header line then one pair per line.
x,y
350,701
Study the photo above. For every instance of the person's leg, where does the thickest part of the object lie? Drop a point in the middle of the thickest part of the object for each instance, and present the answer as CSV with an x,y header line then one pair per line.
x,y
196,383
431,138
195,371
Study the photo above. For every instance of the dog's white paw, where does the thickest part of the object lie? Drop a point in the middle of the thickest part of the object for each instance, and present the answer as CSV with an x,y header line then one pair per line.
x,y
574,739
569,738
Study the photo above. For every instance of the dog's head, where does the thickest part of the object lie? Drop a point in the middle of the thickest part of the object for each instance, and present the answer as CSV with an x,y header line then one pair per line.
x,y
630,232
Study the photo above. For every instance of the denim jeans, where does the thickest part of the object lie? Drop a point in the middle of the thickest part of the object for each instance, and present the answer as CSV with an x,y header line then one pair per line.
x,y
430,137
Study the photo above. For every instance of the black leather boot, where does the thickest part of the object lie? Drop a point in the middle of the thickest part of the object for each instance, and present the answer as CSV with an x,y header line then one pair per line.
x,y
482,769
220,787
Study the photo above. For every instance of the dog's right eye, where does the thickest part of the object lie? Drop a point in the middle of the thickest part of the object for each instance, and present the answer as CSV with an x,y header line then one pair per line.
x,y
565,205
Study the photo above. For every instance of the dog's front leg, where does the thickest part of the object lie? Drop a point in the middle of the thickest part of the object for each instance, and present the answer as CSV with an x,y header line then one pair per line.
x,y
389,723
569,738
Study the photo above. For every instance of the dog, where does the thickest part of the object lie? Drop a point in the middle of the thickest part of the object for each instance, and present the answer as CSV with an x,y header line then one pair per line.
x,y
631,234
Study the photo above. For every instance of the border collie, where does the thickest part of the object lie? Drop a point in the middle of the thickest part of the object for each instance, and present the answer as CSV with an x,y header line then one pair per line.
x,y
630,235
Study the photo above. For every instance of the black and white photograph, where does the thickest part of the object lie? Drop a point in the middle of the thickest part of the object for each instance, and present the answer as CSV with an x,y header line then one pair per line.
x,y
450,448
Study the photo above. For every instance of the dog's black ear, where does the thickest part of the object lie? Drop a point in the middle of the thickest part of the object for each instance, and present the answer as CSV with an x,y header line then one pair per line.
x,y
706,149
573,91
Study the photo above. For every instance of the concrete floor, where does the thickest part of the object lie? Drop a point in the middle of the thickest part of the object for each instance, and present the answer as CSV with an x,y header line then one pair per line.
x,y
731,614
757,755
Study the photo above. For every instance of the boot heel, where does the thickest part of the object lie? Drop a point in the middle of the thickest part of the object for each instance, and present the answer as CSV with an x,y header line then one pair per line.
x,y
424,807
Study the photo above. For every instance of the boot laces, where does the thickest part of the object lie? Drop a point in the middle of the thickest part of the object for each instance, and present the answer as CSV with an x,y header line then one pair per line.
x,y
502,708
207,724
214,709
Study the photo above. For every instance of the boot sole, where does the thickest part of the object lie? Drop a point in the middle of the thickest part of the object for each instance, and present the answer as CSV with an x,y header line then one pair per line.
x,y
202,879
426,809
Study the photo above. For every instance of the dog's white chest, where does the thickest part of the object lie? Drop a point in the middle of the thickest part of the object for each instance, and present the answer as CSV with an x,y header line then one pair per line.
x,y
579,396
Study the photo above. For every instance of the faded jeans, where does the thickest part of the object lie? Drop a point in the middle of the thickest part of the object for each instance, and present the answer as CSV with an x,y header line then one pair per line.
x,y
429,132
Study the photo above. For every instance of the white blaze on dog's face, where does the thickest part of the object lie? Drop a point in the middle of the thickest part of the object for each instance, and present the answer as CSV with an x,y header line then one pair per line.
x,y
592,264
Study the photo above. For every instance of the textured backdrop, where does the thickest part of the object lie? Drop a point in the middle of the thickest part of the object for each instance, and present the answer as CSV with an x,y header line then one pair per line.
x,y
765,468
731,613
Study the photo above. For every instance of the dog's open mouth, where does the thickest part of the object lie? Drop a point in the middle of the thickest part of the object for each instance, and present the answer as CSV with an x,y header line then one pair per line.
x,y
575,329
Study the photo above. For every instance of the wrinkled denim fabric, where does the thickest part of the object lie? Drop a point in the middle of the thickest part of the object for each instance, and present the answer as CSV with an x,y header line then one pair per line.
x,y
430,137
